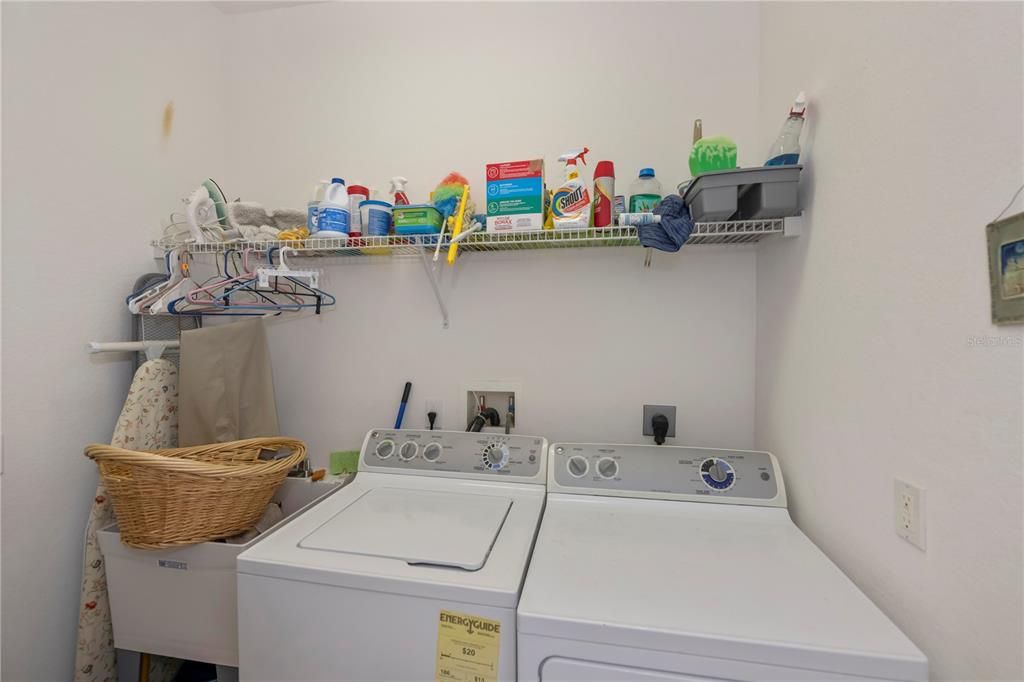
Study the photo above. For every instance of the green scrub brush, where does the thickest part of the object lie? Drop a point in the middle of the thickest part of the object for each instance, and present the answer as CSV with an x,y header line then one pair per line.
x,y
712,154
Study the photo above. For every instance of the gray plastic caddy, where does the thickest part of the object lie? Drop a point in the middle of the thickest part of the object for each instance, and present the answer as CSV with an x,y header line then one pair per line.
x,y
744,194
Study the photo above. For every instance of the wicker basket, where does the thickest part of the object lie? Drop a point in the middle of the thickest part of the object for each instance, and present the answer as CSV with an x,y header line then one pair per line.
x,y
182,496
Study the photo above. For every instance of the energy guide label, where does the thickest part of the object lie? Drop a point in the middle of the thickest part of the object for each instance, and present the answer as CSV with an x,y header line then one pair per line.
x,y
467,648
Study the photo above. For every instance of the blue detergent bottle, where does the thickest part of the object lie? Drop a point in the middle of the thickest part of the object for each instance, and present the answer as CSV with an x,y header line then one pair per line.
x,y
785,151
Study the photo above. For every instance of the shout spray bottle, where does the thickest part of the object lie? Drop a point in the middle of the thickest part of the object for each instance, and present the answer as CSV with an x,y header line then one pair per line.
x,y
570,204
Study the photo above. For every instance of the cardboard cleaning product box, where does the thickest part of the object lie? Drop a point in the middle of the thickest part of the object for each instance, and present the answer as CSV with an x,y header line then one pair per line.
x,y
515,196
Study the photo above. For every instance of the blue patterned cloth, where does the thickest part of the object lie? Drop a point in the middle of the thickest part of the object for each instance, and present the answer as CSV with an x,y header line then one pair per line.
x,y
673,230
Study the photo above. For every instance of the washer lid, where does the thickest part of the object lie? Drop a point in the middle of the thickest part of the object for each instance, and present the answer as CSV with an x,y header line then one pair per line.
x,y
439,528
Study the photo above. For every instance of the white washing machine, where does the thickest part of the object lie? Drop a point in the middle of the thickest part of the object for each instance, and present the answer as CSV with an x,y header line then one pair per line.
x,y
673,563
411,572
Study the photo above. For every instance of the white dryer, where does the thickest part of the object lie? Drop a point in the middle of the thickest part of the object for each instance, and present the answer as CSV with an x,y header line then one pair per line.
x,y
674,563
411,572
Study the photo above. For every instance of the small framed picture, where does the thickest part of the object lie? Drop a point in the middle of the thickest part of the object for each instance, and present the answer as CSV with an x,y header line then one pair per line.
x,y
1006,269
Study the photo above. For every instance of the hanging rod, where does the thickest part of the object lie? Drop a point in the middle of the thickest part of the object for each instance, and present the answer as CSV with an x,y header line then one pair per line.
x,y
130,346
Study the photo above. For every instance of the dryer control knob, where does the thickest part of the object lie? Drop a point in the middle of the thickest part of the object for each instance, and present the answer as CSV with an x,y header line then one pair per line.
x,y
385,448
577,466
607,467
717,473
408,451
432,452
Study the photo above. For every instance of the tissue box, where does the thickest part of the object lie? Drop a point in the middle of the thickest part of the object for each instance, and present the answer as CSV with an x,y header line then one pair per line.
x,y
515,196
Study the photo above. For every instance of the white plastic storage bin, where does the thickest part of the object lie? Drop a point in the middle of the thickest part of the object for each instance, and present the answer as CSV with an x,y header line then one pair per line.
x,y
183,602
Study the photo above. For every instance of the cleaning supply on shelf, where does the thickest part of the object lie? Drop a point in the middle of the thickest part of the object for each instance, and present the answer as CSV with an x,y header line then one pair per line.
x,y
313,206
619,209
604,194
515,196
457,221
376,217
570,204
416,219
645,192
357,194
333,214
712,154
447,196
785,151
398,195
634,219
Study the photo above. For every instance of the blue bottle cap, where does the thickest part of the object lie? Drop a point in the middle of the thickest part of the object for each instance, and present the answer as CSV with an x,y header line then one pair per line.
x,y
646,172
334,180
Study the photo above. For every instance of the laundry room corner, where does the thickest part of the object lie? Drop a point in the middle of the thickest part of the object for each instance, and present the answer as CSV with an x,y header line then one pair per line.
x,y
876,357
104,113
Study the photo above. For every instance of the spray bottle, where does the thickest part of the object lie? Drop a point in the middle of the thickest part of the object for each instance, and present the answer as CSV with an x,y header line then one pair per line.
x,y
570,204
398,191
785,150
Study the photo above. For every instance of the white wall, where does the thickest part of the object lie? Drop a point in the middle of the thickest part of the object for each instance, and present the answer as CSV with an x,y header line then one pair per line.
x,y
86,180
865,367
370,92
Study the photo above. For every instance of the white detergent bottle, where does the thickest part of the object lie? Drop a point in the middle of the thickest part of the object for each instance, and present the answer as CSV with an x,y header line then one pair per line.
x,y
570,204
333,215
313,206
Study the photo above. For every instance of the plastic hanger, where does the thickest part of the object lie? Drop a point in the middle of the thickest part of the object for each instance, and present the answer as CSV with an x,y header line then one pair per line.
x,y
273,279
182,286
176,268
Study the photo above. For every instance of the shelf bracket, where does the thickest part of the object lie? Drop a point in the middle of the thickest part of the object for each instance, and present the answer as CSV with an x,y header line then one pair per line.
x,y
432,276
793,226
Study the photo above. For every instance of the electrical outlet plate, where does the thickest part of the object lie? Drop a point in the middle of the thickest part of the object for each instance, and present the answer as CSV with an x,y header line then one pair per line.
x,y
433,405
908,513
667,410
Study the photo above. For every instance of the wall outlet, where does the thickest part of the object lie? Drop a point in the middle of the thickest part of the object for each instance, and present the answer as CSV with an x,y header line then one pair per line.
x,y
667,410
909,513
433,405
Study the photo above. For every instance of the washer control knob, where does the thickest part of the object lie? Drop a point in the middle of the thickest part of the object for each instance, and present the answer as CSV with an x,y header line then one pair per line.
x,y
385,448
607,467
432,452
495,456
577,466
408,451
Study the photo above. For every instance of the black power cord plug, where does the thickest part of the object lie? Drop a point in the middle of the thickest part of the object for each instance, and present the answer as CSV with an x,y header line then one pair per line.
x,y
431,417
659,423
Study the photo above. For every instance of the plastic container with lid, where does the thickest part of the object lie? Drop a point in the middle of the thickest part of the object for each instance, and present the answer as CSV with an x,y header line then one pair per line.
x,y
376,217
416,219
333,220
645,192
357,194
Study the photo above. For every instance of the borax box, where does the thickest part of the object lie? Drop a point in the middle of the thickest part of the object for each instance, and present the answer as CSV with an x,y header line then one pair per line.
x,y
515,196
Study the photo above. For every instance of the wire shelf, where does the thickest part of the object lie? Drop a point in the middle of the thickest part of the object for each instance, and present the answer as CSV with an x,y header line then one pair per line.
x,y
729,232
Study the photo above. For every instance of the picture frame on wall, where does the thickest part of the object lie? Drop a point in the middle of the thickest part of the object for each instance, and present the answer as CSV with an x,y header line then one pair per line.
x,y
1006,269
